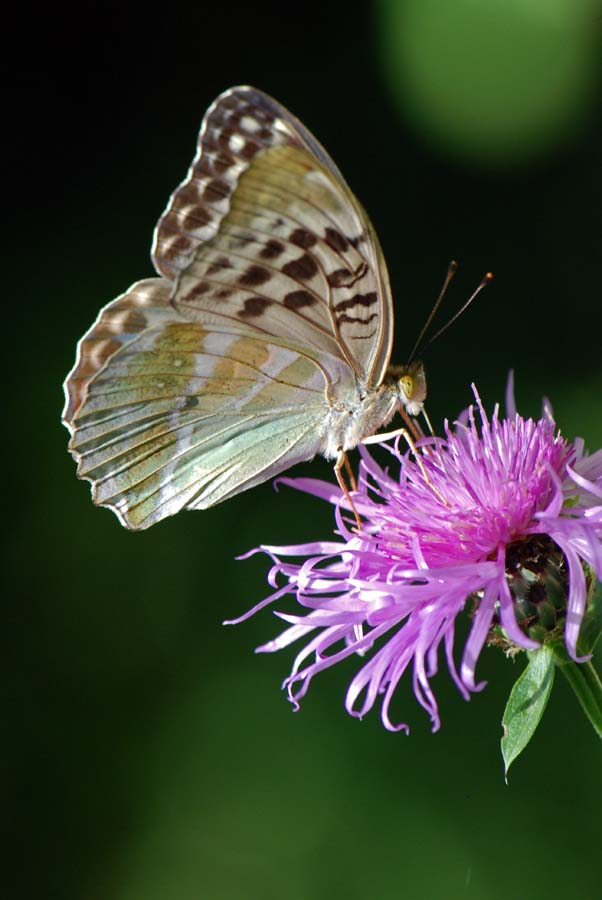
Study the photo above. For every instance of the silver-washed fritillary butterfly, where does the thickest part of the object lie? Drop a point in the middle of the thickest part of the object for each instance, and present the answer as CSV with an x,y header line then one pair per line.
x,y
265,340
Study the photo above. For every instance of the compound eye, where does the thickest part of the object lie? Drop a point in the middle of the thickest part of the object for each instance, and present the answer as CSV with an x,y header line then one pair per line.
x,y
408,386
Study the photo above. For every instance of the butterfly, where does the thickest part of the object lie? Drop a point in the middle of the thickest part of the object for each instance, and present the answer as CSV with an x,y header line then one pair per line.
x,y
265,340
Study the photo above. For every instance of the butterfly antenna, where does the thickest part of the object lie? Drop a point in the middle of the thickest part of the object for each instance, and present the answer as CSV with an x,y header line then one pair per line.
x,y
485,280
451,271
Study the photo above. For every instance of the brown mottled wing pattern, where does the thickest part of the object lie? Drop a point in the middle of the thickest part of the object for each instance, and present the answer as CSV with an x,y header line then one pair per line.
x,y
166,414
265,233
273,305
120,322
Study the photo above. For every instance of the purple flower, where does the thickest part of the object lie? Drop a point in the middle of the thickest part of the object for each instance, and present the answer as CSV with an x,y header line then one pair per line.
x,y
501,527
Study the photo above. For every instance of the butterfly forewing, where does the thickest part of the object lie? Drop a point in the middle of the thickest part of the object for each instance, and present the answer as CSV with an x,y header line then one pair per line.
x,y
274,306
265,231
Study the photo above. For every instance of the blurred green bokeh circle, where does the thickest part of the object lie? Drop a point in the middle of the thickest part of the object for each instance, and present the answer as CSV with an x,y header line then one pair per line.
x,y
499,81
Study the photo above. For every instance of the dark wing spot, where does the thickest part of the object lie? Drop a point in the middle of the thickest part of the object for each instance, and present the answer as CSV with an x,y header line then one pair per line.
x,y
339,277
195,218
135,321
222,262
222,137
254,276
346,278
364,300
298,299
216,190
356,319
197,291
224,294
336,240
271,249
249,150
222,162
204,167
102,350
303,238
170,250
186,195
191,403
254,306
301,269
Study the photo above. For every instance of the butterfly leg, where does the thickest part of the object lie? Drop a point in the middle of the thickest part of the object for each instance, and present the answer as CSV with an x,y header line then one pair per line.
x,y
341,461
349,471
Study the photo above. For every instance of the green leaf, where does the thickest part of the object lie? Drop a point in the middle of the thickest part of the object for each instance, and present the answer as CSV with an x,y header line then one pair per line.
x,y
584,681
526,704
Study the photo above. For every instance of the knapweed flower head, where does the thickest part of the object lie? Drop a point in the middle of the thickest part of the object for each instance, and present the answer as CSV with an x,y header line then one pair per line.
x,y
500,519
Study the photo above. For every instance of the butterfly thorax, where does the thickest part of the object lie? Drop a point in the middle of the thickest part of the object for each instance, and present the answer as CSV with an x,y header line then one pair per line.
x,y
348,423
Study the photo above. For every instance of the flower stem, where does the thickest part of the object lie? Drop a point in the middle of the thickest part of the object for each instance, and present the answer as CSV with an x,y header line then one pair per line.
x,y
586,684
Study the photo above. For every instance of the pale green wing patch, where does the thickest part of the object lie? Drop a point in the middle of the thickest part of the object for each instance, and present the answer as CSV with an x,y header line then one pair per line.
x,y
182,417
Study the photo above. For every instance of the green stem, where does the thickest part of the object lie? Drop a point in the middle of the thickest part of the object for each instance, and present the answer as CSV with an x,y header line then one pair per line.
x,y
586,684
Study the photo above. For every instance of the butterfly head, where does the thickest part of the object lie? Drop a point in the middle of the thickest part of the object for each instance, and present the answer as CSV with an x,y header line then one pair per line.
x,y
411,387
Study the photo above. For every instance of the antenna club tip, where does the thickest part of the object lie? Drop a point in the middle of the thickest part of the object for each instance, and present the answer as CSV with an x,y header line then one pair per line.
x,y
488,276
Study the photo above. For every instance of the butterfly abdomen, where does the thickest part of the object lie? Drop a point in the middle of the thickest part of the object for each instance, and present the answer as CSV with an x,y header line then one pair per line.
x,y
347,424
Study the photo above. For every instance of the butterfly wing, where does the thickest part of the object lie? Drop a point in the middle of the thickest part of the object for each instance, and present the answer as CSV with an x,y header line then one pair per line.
x,y
264,226
167,415
274,305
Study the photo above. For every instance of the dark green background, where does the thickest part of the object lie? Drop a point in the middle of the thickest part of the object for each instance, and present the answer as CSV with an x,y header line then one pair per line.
x,y
147,753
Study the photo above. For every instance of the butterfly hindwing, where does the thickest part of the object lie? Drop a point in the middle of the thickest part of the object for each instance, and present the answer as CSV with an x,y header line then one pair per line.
x,y
119,322
182,417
